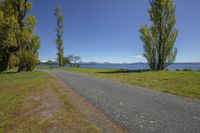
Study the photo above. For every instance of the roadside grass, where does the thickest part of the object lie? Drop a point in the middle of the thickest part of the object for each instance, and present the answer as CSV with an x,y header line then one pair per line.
x,y
182,83
26,105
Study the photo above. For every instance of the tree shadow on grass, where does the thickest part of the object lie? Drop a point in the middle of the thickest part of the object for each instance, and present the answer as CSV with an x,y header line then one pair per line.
x,y
8,72
124,71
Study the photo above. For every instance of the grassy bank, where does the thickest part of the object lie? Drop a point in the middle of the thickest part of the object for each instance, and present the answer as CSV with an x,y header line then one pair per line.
x,y
182,83
35,102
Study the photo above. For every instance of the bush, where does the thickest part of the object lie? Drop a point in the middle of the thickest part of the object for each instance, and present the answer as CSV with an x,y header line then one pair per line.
x,y
187,69
28,60
77,66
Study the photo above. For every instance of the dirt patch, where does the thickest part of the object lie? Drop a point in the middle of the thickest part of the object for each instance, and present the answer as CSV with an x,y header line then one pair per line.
x,y
53,107
45,104
55,110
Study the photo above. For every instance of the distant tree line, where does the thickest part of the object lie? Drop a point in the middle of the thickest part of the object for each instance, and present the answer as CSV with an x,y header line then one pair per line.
x,y
18,43
70,60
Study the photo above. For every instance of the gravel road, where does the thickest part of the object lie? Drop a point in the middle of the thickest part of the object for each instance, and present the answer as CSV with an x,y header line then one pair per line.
x,y
137,109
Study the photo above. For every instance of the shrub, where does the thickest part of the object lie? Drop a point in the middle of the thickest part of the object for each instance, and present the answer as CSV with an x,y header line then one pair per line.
x,y
187,69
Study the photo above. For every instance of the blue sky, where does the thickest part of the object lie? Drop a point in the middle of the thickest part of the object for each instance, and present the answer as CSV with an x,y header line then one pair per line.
x,y
107,30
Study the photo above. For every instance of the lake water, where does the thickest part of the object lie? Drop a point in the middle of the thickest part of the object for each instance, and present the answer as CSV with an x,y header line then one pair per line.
x,y
138,66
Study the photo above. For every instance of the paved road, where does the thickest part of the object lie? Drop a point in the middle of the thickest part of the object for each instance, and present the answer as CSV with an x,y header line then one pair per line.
x,y
137,109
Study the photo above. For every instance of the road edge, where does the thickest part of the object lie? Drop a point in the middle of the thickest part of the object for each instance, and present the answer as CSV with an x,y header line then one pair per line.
x,y
94,115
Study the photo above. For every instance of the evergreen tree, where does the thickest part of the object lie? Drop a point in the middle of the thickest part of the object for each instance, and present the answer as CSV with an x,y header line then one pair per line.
x,y
59,40
160,37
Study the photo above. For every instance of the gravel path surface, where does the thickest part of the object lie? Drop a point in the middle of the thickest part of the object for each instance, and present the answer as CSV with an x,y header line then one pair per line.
x,y
136,109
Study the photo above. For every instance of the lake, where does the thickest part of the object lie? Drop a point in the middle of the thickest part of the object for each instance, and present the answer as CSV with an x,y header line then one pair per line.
x,y
138,66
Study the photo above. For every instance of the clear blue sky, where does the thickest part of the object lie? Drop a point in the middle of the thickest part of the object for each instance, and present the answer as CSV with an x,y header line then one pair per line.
x,y
107,30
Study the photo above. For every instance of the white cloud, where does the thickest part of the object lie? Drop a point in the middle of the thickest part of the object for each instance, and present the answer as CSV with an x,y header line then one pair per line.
x,y
139,57
43,61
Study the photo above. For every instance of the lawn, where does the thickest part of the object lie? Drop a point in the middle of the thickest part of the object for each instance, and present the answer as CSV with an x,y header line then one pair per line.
x,y
35,102
182,83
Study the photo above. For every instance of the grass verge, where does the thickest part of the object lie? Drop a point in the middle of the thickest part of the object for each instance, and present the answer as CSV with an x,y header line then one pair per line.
x,y
35,102
182,83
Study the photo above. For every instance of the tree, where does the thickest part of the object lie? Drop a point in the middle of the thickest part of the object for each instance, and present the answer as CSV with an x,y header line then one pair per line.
x,y
50,62
8,28
71,59
76,59
13,61
59,31
160,37
17,35
29,56
66,61
28,42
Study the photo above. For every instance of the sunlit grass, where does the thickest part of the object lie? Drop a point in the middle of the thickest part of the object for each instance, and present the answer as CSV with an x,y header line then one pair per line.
x,y
182,83
17,110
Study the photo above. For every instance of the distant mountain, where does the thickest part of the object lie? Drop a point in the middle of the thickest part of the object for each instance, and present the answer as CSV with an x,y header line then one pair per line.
x,y
88,63
107,63
94,63
139,63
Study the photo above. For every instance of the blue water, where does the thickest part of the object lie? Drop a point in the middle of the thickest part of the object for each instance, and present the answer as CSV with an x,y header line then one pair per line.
x,y
139,66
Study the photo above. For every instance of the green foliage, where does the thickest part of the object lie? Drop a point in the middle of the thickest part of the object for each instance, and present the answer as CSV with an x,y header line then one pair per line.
x,y
160,37
50,63
28,59
66,61
8,28
13,61
28,56
28,42
187,69
59,31
76,60
17,35
73,60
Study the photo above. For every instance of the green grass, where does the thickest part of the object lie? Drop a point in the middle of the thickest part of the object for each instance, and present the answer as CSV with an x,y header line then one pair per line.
x,y
14,88
17,110
182,83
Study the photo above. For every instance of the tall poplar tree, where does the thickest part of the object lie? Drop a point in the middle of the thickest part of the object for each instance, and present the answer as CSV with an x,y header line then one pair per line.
x,y
28,42
159,38
8,27
17,35
59,31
